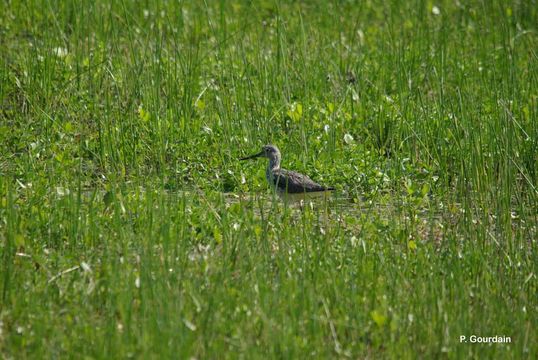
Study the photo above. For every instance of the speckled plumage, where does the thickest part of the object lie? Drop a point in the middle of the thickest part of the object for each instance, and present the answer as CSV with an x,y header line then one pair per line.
x,y
286,181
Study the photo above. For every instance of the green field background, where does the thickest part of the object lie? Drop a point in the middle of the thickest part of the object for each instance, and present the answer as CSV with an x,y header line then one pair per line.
x,y
128,229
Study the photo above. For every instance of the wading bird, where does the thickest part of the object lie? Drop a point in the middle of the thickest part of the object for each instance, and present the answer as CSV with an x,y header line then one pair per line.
x,y
286,181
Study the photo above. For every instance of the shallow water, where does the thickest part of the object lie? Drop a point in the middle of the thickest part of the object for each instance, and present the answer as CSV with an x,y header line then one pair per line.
x,y
333,202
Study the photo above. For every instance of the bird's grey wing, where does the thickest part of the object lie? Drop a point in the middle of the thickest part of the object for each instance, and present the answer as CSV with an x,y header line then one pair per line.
x,y
292,182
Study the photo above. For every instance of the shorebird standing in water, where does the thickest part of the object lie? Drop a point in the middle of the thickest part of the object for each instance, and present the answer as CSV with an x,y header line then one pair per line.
x,y
286,181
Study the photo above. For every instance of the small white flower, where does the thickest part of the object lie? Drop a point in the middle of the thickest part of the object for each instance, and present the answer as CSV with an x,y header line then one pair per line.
x,y
361,35
85,267
436,10
348,139
60,52
189,325
61,191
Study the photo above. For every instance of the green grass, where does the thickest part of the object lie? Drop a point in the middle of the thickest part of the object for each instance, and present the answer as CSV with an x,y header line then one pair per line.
x,y
129,229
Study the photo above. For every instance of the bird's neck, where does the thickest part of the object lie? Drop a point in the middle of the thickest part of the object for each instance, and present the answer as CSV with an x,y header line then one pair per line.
x,y
274,163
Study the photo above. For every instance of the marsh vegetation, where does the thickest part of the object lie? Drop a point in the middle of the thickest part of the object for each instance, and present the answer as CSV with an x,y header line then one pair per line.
x,y
129,229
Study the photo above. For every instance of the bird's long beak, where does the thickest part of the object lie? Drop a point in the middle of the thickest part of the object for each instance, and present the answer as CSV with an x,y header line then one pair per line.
x,y
253,156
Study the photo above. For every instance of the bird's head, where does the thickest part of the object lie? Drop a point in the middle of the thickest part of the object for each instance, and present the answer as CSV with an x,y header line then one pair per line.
x,y
268,151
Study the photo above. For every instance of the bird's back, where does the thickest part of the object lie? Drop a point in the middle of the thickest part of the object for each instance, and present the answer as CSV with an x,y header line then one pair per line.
x,y
292,182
